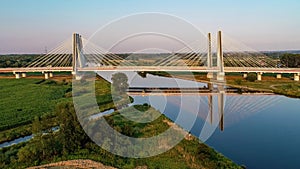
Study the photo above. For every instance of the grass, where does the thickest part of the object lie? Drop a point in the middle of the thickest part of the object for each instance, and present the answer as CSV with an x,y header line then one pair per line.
x,y
283,86
189,153
37,98
23,99
127,120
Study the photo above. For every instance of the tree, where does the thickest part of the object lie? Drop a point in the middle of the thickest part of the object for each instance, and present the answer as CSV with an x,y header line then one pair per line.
x,y
120,83
72,136
251,77
37,127
142,74
29,154
290,60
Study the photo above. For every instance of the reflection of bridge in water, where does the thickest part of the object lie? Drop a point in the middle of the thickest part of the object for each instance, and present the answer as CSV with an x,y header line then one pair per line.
x,y
190,91
213,93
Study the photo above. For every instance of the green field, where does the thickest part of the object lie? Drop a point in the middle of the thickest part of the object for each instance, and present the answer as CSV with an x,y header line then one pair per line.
x,y
22,100
284,86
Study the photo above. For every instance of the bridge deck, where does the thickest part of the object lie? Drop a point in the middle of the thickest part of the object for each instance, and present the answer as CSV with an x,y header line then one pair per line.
x,y
153,69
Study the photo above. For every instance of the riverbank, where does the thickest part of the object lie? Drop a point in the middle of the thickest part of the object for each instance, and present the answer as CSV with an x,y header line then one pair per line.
x,y
269,84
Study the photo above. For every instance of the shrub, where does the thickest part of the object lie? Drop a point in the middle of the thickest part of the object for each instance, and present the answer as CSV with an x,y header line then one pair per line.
x,y
251,77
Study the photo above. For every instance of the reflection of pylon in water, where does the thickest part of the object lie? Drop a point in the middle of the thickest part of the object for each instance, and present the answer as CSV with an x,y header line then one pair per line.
x,y
221,102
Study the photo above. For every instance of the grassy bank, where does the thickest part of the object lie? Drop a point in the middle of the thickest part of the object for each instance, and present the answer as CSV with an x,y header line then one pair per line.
x,y
285,86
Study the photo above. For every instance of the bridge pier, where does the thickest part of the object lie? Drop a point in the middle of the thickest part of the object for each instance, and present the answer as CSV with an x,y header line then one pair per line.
x,y
296,77
76,75
259,76
245,75
51,74
18,75
210,75
278,76
46,75
24,75
221,76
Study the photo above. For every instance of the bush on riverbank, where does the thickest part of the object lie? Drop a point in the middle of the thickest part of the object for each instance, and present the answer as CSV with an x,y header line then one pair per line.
x,y
251,77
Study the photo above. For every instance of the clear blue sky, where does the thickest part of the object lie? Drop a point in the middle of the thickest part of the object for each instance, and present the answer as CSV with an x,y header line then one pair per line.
x,y
29,25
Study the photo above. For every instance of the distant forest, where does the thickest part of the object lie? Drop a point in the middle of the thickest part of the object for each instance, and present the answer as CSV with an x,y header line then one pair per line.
x,y
16,60
291,59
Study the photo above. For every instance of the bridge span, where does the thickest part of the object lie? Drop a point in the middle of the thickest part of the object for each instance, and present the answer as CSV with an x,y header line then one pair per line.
x,y
50,70
81,60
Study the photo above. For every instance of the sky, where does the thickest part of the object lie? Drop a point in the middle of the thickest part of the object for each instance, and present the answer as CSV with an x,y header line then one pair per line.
x,y
28,26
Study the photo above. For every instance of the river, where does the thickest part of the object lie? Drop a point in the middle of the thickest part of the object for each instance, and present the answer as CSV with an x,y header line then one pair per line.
x,y
258,131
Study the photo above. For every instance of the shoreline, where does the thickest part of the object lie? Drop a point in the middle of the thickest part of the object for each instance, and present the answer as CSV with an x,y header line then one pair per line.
x,y
230,82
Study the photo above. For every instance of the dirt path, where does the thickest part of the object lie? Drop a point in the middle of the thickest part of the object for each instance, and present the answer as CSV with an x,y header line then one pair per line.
x,y
78,164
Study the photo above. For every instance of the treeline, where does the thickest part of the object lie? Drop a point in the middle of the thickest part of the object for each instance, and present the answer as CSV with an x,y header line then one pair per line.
x,y
16,60
290,60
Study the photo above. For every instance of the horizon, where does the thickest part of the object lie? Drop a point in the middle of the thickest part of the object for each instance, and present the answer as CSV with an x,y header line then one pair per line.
x,y
120,53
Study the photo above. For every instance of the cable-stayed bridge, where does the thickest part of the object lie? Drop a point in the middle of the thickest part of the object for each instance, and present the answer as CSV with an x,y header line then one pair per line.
x,y
78,55
216,57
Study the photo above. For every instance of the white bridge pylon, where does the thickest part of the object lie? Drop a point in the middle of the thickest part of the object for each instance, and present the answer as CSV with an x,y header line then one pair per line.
x,y
91,57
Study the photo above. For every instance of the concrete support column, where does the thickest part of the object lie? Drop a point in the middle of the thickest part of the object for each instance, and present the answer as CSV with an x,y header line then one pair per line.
x,y
78,77
245,75
221,76
259,76
210,86
51,74
46,75
18,75
24,75
210,75
296,76
278,76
